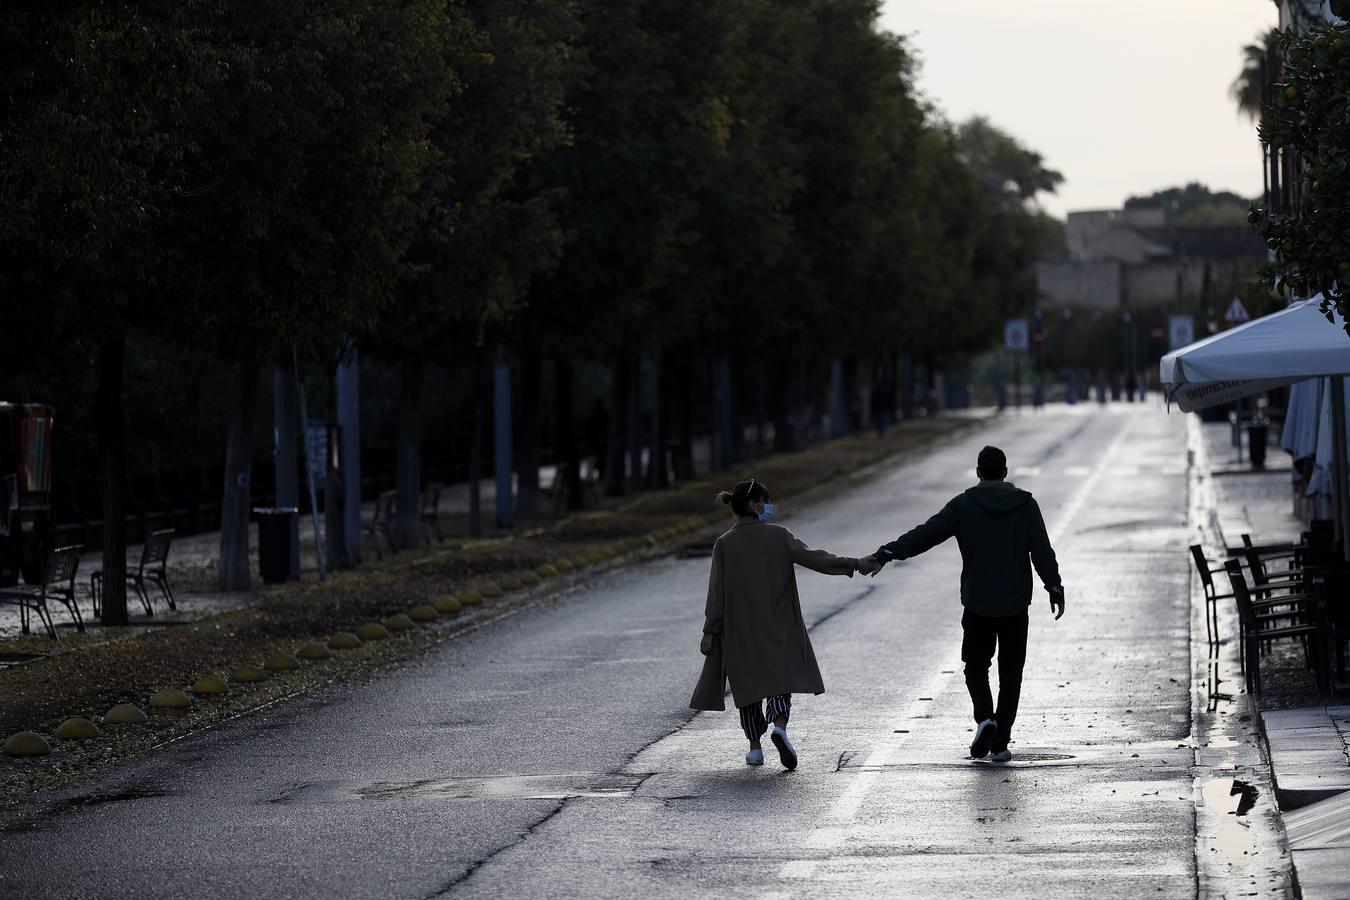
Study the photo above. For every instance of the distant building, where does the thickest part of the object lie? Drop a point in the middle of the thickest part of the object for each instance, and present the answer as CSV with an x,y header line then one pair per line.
x,y
1132,257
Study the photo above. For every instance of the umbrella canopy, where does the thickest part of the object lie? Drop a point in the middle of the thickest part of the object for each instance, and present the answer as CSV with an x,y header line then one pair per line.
x,y
1293,344
1302,421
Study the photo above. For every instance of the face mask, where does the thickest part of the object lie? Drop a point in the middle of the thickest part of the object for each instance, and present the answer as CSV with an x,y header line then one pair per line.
x,y
766,512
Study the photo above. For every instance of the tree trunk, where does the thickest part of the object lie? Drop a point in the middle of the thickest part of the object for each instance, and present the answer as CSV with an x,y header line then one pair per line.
x,y
782,406
335,498
658,474
527,454
285,421
408,462
234,507
634,440
616,474
503,451
566,448
475,449
683,412
112,461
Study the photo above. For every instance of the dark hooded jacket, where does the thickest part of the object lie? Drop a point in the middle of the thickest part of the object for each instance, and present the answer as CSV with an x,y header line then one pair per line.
x,y
1001,534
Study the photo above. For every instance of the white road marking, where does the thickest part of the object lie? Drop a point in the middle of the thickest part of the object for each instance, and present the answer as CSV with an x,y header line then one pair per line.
x,y
833,831
1026,471
1077,471
1084,490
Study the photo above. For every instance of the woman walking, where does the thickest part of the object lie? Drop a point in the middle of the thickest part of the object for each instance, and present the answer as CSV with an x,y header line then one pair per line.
x,y
753,632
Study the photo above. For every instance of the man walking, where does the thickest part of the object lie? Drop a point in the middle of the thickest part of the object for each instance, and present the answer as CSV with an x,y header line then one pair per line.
x,y
1001,535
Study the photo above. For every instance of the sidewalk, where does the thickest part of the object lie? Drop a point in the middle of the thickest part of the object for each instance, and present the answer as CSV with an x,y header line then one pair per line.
x,y
1306,738
194,558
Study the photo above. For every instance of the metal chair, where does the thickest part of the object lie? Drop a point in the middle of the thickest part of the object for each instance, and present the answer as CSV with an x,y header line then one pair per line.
x,y
58,582
430,513
153,569
1261,624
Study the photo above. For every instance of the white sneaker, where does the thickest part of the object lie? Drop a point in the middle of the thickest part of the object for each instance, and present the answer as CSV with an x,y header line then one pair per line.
x,y
1001,756
786,752
755,757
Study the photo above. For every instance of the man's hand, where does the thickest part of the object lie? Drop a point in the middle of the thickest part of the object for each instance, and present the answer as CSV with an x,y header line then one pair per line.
x,y
705,645
1057,601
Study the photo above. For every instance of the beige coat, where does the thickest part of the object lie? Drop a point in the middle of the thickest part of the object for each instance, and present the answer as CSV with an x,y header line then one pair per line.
x,y
756,614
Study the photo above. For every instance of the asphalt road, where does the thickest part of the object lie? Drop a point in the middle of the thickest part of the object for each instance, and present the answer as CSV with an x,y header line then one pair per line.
x,y
552,754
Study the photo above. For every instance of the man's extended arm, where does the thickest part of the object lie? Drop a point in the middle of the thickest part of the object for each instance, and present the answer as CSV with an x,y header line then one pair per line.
x,y
923,537
1043,558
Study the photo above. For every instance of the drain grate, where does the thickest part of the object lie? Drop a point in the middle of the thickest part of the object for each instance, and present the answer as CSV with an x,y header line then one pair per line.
x,y
508,787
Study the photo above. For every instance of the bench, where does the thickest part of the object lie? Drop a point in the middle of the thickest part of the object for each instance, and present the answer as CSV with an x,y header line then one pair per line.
x,y
58,582
153,569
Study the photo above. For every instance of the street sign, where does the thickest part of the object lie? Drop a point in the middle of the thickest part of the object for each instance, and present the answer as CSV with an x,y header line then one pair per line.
x,y
1181,331
1236,313
1015,335
316,449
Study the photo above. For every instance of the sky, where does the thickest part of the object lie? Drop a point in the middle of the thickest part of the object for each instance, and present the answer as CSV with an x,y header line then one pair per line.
x,y
1122,97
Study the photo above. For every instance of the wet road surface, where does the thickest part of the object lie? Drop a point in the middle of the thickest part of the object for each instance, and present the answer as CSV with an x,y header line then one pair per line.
x,y
552,754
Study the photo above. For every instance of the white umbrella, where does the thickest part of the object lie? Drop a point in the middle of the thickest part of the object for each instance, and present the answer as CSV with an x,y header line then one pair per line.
x,y
1301,419
1291,345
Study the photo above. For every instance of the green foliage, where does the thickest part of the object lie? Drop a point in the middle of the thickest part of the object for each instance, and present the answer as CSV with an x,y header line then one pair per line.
x,y
1194,204
1247,88
240,176
1308,117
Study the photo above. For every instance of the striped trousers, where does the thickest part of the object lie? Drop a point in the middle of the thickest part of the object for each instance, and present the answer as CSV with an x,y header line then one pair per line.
x,y
756,717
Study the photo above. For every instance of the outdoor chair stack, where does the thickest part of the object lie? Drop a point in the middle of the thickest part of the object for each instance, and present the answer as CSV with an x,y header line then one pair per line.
x,y
430,514
381,523
152,571
1287,592
58,583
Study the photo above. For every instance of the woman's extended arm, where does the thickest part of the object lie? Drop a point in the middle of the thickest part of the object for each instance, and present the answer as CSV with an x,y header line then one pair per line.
x,y
821,561
712,613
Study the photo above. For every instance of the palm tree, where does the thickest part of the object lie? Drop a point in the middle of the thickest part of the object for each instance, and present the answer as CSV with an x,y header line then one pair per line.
x,y
1248,87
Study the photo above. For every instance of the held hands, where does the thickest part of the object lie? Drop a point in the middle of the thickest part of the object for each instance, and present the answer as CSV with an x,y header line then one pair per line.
x,y
705,646
1057,601
868,565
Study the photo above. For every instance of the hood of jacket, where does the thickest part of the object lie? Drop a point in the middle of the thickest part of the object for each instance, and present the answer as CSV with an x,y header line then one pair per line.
x,y
998,498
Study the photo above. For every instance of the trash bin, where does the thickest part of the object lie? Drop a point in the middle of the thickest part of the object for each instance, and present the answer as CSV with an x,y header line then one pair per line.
x,y
1256,441
276,549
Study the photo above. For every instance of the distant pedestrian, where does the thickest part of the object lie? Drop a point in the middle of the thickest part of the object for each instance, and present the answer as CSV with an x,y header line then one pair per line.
x,y
753,631
1001,534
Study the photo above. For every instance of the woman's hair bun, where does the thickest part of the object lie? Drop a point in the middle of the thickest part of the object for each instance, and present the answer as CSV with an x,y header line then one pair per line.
x,y
725,497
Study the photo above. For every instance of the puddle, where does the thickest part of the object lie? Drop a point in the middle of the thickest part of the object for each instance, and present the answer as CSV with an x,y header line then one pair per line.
x,y
1229,796
84,801
1030,757
508,787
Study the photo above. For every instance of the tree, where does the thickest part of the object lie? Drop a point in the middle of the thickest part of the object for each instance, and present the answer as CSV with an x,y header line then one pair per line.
x,y
1193,203
1248,88
237,179
489,228
1306,119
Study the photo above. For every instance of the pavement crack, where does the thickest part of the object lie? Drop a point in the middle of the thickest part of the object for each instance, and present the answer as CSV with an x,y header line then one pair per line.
x,y
477,864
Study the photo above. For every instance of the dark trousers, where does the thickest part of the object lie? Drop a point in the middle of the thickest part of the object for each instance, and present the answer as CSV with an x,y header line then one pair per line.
x,y
982,635
756,717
